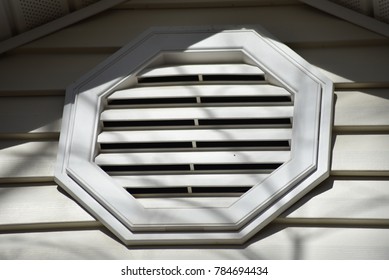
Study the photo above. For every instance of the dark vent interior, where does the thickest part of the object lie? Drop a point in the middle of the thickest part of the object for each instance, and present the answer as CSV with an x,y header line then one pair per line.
x,y
241,145
168,79
153,123
242,166
145,168
200,78
233,78
183,191
285,122
155,101
244,99
158,168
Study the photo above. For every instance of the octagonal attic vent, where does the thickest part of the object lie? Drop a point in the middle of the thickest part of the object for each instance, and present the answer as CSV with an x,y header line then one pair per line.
x,y
195,136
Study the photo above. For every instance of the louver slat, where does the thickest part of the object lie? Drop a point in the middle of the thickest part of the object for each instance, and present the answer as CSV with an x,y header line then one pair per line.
x,y
201,72
204,69
197,113
195,138
198,90
194,180
114,159
195,135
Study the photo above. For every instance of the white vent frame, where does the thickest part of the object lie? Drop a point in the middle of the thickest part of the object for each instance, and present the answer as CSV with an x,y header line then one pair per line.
x,y
311,146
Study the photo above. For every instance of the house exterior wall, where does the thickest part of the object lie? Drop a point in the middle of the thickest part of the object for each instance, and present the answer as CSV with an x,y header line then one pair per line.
x,y
345,217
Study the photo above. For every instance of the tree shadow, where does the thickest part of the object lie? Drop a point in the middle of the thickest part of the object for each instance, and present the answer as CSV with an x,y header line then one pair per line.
x,y
344,67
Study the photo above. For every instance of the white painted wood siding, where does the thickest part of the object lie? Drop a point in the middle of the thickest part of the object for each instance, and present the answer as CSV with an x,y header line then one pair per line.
x,y
344,217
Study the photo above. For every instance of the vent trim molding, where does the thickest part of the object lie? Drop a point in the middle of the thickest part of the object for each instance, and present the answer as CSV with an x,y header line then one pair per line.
x,y
134,224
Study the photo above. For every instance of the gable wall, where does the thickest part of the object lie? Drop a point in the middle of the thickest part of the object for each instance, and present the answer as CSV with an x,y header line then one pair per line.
x,y
347,216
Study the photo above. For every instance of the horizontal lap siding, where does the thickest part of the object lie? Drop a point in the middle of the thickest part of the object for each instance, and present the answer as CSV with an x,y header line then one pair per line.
x,y
358,64
23,160
353,199
361,155
349,198
362,110
273,242
39,206
353,154
56,72
113,29
34,114
44,72
355,110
